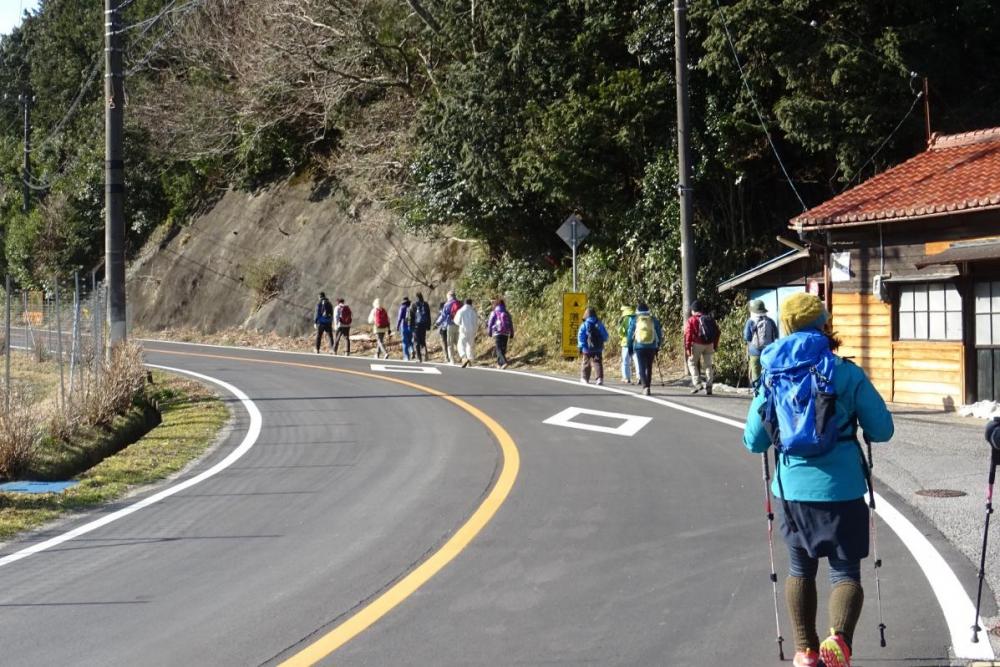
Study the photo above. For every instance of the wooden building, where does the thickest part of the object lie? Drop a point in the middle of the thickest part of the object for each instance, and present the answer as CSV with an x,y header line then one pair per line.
x,y
909,264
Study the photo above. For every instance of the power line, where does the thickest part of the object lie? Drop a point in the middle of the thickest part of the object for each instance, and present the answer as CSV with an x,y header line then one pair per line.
x,y
167,9
74,106
156,46
857,174
753,100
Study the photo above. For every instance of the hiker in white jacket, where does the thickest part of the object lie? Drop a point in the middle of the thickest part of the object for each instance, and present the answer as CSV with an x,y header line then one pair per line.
x,y
467,320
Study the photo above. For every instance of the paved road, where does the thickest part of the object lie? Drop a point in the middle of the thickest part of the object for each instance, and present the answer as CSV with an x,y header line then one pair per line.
x,y
635,550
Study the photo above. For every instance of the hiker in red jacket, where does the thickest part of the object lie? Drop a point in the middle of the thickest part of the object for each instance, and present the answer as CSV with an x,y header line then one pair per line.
x,y
701,340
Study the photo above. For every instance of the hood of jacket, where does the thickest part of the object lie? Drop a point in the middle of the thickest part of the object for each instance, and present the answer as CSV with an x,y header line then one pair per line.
x,y
802,348
642,312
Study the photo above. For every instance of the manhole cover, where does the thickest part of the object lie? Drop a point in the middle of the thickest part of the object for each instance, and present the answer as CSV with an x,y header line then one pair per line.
x,y
941,493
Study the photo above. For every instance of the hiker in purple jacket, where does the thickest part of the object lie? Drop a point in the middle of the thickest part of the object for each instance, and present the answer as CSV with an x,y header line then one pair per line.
x,y
501,328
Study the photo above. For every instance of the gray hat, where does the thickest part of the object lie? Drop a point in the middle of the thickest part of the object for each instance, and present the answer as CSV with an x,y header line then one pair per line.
x,y
757,307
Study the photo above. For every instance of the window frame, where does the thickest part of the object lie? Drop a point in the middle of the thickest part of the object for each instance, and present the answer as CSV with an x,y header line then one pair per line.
x,y
921,307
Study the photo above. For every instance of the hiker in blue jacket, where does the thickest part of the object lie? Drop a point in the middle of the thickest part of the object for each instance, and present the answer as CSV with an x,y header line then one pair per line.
x,y
590,338
825,515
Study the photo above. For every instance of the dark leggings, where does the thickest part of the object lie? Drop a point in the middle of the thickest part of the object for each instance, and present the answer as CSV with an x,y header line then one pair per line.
x,y
501,347
644,360
420,342
320,330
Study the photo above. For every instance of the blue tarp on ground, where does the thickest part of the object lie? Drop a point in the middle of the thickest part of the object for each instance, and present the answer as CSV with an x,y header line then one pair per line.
x,y
36,487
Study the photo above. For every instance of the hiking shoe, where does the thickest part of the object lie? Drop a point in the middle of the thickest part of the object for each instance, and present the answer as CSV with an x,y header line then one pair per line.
x,y
834,652
807,658
696,389
583,381
599,382
504,366
646,391
465,363
708,391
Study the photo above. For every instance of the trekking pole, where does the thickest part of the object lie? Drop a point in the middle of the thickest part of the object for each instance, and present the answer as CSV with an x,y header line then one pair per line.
x,y
992,437
874,531
769,512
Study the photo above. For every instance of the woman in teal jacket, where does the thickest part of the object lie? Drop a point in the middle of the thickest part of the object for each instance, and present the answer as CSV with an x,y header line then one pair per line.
x,y
824,494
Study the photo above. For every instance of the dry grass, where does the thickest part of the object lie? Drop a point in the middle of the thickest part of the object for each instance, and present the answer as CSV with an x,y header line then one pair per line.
x,y
192,416
20,434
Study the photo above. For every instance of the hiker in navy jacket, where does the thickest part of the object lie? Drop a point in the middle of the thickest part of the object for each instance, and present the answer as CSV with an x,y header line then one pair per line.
x,y
404,329
590,338
323,321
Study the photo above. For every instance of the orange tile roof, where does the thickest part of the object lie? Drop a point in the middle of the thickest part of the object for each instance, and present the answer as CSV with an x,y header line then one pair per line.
x,y
958,173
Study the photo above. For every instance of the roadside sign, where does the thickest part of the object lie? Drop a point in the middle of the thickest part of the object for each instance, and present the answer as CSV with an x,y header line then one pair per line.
x,y
573,237
574,303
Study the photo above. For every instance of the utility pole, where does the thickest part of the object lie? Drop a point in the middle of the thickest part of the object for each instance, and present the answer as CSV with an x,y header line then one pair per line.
x,y
25,99
689,266
114,173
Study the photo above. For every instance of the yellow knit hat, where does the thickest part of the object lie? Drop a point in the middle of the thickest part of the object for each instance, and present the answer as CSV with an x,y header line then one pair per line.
x,y
802,310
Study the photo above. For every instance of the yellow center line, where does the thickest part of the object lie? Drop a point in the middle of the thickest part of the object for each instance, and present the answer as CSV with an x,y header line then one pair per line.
x,y
387,601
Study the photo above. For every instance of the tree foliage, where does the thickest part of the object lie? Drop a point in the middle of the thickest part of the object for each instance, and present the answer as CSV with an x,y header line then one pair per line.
x,y
498,118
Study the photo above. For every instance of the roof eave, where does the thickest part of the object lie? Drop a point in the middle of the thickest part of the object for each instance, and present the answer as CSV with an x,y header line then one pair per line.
x,y
823,226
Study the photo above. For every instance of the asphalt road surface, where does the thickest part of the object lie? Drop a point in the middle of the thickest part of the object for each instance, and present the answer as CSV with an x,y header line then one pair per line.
x,y
609,549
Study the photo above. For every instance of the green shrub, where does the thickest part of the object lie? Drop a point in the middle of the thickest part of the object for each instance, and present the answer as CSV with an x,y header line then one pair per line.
x,y
266,277
731,358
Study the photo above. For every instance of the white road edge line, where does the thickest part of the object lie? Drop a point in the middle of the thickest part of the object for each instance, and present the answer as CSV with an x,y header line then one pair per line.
x,y
955,603
253,432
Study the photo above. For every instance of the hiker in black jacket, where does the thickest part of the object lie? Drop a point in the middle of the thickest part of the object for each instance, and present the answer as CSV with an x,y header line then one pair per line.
x,y
419,315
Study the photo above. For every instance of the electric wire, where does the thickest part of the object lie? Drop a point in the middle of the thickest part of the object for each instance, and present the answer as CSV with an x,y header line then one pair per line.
x,y
885,141
753,101
167,9
74,105
152,50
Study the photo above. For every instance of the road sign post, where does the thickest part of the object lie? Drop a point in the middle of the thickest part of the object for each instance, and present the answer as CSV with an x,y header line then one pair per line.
x,y
574,304
572,232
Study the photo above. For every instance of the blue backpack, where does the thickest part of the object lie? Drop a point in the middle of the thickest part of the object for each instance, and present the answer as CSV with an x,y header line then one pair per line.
x,y
799,406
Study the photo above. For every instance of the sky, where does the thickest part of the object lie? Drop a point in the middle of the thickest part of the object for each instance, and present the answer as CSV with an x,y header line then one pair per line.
x,y
11,12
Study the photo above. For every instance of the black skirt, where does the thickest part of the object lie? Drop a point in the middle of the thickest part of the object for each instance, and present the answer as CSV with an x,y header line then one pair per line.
x,y
826,529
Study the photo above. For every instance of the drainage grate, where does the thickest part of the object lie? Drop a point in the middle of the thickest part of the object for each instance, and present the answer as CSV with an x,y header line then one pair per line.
x,y
941,493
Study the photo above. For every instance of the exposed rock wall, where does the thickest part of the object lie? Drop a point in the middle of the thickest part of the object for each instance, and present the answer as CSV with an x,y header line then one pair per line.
x,y
201,276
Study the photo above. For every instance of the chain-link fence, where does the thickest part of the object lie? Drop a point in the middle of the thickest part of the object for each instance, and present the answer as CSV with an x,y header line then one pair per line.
x,y
63,321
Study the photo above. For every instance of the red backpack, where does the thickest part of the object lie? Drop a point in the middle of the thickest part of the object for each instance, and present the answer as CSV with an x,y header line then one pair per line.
x,y
381,318
345,315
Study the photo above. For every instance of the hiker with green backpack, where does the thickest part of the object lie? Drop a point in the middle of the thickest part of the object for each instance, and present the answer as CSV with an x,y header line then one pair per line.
x,y
644,337
808,407
628,354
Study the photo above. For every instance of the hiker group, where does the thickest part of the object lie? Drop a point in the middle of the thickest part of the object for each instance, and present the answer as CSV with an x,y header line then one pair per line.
x,y
457,324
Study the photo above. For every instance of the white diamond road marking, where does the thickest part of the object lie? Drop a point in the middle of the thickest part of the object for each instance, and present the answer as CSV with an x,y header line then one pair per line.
x,y
631,424
426,370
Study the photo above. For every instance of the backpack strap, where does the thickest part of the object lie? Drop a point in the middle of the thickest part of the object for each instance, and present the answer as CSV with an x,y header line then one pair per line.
x,y
770,422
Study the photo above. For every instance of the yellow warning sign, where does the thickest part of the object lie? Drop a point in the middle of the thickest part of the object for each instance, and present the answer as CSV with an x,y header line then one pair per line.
x,y
574,303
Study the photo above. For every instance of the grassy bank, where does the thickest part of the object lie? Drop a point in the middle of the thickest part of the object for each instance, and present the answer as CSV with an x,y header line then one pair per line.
x,y
191,418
